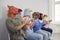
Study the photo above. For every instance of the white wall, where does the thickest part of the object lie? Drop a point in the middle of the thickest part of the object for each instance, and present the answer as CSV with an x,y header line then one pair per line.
x,y
35,5
45,6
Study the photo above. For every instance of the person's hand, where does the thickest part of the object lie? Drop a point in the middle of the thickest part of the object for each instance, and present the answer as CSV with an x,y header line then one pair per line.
x,y
47,22
31,24
25,20
50,20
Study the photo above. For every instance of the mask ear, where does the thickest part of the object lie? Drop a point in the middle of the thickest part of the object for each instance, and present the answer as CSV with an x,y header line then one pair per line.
x,y
8,6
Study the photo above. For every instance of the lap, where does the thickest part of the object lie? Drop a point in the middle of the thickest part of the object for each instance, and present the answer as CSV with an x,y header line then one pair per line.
x,y
32,34
21,38
42,32
47,29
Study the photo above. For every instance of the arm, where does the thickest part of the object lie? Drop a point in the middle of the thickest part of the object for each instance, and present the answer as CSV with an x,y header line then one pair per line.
x,y
31,24
20,26
12,27
47,22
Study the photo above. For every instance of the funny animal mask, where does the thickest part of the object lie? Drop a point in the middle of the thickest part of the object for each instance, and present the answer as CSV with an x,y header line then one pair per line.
x,y
13,11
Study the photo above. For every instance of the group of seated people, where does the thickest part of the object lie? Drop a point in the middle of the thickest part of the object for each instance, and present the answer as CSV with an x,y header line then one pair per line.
x,y
27,28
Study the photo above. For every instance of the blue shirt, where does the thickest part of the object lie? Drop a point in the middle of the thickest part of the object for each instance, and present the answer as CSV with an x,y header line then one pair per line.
x,y
38,25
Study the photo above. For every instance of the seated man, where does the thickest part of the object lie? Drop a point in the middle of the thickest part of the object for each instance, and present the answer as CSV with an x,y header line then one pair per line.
x,y
14,25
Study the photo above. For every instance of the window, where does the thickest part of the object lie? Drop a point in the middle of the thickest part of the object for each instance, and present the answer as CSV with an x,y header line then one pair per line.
x,y
57,10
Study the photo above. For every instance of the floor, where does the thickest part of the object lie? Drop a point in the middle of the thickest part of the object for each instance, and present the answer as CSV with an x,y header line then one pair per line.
x,y
56,36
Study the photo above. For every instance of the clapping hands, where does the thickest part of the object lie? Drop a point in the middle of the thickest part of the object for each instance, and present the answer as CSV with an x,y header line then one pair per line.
x,y
25,20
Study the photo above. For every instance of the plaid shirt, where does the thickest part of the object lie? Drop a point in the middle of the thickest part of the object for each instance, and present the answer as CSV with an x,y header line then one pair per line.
x,y
12,24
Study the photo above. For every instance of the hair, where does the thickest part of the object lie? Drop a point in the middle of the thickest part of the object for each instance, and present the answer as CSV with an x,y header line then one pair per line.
x,y
40,16
36,14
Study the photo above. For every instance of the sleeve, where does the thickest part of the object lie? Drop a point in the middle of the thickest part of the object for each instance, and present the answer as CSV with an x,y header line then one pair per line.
x,y
11,26
43,24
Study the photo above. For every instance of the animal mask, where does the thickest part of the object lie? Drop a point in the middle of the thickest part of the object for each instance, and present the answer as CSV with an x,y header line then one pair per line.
x,y
13,11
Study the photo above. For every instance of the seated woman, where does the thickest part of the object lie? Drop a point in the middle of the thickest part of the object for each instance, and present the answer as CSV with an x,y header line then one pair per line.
x,y
38,25
29,31
46,23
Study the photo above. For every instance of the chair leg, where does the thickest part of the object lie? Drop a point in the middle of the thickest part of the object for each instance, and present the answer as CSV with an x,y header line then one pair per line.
x,y
8,37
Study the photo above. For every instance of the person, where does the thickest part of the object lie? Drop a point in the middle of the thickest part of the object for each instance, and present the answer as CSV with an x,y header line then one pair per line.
x,y
46,23
38,25
29,31
14,25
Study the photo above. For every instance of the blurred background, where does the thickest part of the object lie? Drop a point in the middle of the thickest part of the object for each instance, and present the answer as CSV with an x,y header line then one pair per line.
x,y
49,7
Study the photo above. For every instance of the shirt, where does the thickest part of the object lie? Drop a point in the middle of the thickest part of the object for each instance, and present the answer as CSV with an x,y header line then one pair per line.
x,y
37,25
12,24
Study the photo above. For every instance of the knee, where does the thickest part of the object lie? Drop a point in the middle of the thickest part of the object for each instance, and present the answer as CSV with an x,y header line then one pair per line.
x,y
46,35
40,37
50,30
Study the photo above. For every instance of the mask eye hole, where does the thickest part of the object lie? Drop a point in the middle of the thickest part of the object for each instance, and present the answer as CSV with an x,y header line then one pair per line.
x,y
19,10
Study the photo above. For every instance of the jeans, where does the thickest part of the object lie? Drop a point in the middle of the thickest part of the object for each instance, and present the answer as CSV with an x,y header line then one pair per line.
x,y
33,36
47,29
21,38
45,34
